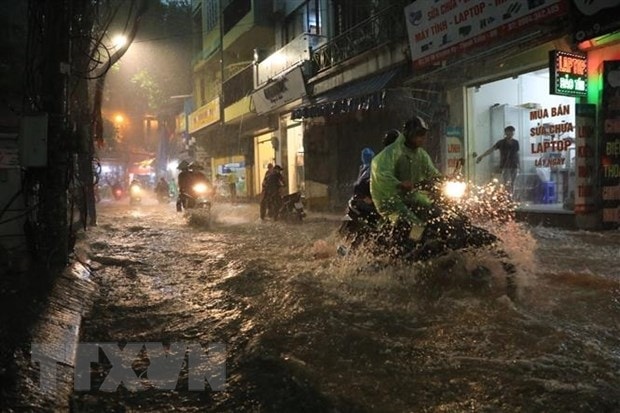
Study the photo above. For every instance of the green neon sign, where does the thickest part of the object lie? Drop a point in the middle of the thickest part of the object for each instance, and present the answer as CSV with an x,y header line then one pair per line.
x,y
568,73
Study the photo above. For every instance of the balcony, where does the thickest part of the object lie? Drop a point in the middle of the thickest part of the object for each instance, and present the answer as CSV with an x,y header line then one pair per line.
x,y
239,85
385,27
298,50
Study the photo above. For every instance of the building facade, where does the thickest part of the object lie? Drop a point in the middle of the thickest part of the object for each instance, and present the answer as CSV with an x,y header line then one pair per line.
x,y
309,84
544,68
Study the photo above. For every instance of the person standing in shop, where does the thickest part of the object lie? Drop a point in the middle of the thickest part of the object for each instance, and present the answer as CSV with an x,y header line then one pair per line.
x,y
508,157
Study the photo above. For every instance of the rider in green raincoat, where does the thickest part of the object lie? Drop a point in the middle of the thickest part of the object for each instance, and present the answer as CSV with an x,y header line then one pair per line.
x,y
396,171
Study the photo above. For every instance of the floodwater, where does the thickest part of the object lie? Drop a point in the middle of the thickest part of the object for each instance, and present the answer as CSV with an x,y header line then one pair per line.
x,y
306,329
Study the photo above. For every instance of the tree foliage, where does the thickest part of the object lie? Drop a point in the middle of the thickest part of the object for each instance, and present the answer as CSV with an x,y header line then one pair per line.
x,y
157,64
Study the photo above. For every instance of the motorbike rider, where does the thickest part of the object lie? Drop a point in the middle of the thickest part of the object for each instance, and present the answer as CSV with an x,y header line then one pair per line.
x,y
184,184
196,176
361,189
389,137
162,189
395,172
196,169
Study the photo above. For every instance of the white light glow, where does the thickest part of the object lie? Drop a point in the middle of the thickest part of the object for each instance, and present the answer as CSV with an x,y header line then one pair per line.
x,y
119,41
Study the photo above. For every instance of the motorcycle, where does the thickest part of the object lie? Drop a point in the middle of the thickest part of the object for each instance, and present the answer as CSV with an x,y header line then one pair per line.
x,y
135,194
117,192
163,194
164,197
197,204
292,208
361,219
197,198
448,228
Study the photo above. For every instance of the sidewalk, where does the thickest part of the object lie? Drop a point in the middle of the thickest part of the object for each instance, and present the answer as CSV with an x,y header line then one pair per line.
x,y
41,308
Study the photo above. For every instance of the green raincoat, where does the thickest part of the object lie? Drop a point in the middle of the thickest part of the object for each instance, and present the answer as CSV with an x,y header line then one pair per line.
x,y
395,164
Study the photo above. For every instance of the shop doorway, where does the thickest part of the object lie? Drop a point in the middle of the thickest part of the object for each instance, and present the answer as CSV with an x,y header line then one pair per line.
x,y
544,128
264,153
295,156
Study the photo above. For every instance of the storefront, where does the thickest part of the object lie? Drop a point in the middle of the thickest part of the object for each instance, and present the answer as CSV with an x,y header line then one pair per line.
x,y
544,127
604,72
551,71
229,169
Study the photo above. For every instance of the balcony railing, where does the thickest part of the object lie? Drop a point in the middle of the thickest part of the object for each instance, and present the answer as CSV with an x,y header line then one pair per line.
x,y
238,86
298,50
384,27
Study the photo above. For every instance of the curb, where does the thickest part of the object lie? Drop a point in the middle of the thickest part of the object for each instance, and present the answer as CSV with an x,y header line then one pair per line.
x,y
55,337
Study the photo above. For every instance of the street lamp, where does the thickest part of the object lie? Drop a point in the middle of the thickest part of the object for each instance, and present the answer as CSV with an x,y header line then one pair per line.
x,y
119,121
119,41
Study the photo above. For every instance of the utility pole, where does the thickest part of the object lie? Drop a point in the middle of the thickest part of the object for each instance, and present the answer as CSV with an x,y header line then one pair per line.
x,y
53,178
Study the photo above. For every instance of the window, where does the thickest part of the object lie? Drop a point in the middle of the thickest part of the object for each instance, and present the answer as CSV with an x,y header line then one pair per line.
x,y
348,13
305,19
211,14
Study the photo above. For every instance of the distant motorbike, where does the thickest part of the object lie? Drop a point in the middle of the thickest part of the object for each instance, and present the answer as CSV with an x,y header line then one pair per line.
x,y
163,195
135,193
291,208
117,192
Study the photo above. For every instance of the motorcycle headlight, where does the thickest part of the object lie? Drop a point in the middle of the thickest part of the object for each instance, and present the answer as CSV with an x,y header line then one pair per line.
x,y
200,188
454,189
135,190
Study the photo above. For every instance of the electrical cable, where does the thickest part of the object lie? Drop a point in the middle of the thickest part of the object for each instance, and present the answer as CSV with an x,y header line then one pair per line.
x,y
8,205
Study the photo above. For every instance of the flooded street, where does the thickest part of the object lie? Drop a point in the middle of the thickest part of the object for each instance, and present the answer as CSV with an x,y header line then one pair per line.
x,y
308,330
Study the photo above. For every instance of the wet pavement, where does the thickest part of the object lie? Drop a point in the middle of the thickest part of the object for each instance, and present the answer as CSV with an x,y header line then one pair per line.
x,y
308,330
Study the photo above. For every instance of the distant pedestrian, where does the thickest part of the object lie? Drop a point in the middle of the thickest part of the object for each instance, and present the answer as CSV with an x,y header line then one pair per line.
x,y
232,186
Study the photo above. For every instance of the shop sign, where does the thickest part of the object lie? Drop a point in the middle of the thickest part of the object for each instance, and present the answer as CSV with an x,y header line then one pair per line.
x,y
568,73
279,92
585,160
552,138
438,29
181,123
204,116
610,150
593,18
454,149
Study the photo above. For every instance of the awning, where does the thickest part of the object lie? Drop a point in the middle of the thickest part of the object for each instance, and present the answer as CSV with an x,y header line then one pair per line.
x,y
365,94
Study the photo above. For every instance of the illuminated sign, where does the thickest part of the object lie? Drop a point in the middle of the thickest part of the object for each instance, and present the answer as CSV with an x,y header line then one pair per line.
x,y
204,116
568,73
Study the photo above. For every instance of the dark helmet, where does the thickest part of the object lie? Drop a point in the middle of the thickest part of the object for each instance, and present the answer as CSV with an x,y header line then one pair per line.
x,y
196,166
414,125
390,136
